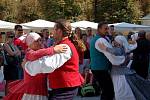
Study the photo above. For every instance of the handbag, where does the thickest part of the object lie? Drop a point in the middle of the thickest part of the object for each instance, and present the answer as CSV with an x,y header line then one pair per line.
x,y
10,60
87,90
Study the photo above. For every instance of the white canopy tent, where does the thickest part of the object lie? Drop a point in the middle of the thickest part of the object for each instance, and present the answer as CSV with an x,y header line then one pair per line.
x,y
146,20
6,25
84,24
39,24
129,27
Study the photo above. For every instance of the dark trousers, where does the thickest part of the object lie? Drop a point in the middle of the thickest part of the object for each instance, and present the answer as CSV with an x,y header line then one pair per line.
x,y
63,93
141,65
105,82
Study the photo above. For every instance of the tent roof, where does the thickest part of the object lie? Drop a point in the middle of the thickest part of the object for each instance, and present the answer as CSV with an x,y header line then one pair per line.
x,y
129,27
6,25
84,24
39,24
146,17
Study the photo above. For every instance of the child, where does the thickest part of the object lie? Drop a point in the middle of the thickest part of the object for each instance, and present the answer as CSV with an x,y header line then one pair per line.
x,y
87,75
87,88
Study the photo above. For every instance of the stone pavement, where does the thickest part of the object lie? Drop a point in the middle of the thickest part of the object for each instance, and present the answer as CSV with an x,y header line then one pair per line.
x,y
82,98
87,98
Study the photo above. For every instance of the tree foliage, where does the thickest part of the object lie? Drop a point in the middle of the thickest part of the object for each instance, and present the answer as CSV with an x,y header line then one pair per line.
x,y
118,10
93,10
7,12
87,9
2,11
55,9
28,10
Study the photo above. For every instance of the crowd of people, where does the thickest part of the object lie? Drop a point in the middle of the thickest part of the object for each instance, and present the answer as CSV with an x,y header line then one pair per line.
x,y
61,64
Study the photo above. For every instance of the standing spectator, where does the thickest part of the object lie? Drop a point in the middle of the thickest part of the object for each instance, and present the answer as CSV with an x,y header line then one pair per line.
x,y
86,60
111,33
141,55
51,39
81,47
21,46
89,34
100,65
12,55
45,33
17,41
78,32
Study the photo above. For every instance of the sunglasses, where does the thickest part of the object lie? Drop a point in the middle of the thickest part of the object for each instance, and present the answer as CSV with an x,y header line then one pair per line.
x,y
10,36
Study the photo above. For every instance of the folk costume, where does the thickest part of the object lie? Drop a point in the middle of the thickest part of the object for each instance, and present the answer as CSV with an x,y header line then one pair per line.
x,y
34,86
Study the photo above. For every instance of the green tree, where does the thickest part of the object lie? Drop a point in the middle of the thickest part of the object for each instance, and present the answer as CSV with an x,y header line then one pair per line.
x,y
7,11
87,9
134,11
28,10
118,10
98,10
55,9
145,5
2,11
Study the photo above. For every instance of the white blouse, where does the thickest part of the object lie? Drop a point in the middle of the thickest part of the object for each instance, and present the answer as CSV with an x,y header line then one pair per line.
x,y
115,60
47,64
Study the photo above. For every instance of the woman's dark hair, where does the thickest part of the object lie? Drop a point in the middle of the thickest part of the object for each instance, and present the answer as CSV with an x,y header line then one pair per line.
x,y
79,35
78,28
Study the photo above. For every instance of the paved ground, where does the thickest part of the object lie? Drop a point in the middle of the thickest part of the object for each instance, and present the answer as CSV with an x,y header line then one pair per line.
x,y
83,98
76,98
86,98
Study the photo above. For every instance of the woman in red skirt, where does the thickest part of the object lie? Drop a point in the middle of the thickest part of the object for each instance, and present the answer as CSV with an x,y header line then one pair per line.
x,y
33,87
